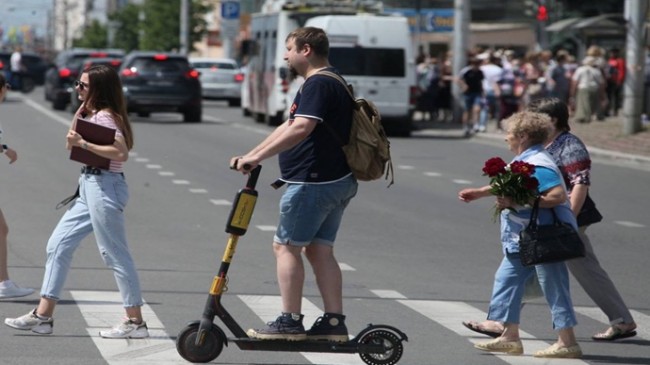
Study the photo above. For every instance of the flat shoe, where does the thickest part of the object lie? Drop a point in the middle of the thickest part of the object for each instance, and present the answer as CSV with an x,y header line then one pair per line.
x,y
498,345
615,334
476,327
555,351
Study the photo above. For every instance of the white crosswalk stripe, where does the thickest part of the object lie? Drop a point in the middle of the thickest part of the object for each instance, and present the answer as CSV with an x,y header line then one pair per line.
x,y
452,314
102,310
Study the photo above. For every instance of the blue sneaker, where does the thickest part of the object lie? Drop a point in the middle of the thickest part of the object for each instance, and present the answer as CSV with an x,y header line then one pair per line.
x,y
287,326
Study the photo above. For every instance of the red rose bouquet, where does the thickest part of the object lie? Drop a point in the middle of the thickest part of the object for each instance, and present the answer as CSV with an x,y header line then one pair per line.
x,y
514,180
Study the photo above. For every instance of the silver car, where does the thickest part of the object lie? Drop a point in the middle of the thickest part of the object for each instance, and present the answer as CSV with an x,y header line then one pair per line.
x,y
221,79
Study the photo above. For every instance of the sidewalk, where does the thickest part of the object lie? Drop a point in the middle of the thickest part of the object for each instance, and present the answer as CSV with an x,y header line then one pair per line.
x,y
603,138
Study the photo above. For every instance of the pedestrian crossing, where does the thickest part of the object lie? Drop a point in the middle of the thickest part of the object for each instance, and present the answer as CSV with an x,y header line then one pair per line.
x,y
100,310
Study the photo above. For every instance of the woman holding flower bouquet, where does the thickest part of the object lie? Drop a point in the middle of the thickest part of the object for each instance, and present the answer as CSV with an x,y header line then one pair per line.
x,y
514,191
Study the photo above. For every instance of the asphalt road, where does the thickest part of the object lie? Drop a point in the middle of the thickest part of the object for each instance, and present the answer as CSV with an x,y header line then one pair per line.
x,y
413,255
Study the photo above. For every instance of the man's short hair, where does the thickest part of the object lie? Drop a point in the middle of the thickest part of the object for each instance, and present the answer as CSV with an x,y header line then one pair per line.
x,y
315,37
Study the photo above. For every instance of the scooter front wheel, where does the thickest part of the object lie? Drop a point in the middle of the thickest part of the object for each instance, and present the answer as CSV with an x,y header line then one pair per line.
x,y
211,348
391,343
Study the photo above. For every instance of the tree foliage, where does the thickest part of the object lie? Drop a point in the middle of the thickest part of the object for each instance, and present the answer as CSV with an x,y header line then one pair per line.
x,y
127,28
154,25
95,35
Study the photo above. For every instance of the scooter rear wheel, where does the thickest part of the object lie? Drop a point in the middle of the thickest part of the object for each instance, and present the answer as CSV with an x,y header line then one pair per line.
x,y
210,350
389,341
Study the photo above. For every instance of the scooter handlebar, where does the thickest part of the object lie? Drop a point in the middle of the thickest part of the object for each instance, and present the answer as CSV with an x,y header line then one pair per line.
x,y
252,176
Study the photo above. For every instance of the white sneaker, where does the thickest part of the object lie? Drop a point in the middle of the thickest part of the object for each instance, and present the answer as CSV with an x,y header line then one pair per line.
x,y
9,289
127,329
31,321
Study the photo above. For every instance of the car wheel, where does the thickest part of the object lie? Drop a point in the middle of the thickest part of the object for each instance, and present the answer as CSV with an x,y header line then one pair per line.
x,y
192,115
144,114
58,104
234,102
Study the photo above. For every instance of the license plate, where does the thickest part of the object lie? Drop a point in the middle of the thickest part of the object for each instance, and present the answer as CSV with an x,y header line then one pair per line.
x,y
160,83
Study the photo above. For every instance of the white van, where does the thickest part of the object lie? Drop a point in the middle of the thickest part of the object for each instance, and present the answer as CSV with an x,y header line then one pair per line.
x,y
375,56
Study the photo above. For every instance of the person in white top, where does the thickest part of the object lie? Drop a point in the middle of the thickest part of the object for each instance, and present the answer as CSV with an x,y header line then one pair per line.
x,y
8,289
492,72
16,67
587,90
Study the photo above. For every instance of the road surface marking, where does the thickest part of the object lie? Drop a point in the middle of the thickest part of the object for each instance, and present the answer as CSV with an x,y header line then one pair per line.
x,y
387,294
166,173
642,320
198,191
629,224
451,315
181,182
102,310
220,202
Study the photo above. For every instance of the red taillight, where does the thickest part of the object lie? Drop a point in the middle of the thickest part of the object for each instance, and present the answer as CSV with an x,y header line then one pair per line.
x,y
160,57
98,55
239,77
64,72
116,63
2,65
128,72
284,86
192,74
413,97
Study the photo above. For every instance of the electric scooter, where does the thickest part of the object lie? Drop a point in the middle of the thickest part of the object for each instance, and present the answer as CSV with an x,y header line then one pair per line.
x,y
202,341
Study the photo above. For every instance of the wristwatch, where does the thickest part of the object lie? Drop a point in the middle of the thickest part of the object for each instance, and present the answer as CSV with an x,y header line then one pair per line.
x,y
84,145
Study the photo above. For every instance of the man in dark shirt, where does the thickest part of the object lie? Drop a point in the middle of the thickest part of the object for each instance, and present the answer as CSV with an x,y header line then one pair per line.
x,y
320,186
471,80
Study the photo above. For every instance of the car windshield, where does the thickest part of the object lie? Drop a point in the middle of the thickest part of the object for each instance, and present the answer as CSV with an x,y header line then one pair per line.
x,y
359,61
153,65
217,65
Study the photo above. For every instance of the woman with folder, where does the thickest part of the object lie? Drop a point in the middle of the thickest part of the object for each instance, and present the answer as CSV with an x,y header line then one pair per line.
x,y
98,209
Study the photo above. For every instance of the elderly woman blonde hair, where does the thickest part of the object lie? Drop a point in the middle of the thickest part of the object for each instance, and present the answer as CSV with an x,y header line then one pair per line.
x,y
527,131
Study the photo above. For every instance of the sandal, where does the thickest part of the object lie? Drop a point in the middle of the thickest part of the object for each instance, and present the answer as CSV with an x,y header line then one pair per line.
x,y
614,333
476,327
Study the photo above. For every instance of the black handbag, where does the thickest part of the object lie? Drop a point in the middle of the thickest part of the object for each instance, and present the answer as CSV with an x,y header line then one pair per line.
x,y
542,244
589,214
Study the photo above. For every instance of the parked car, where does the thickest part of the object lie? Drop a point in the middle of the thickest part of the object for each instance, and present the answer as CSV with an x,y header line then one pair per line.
x,y
221,79
34,73
114,62
59,79
161,81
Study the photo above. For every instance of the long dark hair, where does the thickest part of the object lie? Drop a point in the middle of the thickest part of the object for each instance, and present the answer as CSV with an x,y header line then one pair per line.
x,y
105,93
554,108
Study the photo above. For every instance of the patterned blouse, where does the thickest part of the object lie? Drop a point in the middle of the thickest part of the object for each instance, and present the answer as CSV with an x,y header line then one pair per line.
x,y
572,157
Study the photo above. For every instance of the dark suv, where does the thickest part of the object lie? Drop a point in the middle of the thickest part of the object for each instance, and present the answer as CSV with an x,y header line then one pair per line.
x,y
60,78
35,67
160,81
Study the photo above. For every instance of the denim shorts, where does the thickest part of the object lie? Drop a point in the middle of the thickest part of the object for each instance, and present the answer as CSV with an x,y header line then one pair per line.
x,y
312,213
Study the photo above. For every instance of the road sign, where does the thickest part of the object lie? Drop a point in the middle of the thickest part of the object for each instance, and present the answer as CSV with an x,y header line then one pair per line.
x,y
230,10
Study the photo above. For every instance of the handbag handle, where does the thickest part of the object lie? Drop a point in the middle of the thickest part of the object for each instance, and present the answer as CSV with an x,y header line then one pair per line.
x,y
535,213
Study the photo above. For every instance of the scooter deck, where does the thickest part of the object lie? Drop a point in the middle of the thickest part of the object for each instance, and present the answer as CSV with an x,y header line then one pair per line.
x,y
351,347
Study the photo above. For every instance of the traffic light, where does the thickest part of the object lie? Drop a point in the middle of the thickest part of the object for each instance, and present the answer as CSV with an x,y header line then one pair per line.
x,y
542,13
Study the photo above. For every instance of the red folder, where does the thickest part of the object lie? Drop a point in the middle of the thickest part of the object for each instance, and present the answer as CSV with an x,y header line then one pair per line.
x,y
95,134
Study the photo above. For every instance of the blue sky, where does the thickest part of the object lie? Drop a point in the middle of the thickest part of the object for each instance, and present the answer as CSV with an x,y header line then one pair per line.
x,y
25,12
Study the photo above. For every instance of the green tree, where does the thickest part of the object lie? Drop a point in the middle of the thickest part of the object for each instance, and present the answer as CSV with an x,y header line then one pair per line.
x,y
95,35
127,27
161,24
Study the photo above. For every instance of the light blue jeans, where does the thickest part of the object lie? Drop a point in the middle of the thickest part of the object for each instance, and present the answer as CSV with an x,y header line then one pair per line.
x,y
312,213
508,291
99,209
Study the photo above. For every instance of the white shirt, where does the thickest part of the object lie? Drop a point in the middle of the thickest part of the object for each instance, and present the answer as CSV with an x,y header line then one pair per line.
x,y
492,74
15,62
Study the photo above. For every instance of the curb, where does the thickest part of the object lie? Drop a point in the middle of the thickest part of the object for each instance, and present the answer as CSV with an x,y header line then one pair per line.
x,y
593,151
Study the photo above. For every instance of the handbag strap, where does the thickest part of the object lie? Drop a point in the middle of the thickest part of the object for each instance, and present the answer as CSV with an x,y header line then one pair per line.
x,y
532,223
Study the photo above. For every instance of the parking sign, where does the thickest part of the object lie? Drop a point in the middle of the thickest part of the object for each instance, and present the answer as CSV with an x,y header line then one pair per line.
x,y
230,10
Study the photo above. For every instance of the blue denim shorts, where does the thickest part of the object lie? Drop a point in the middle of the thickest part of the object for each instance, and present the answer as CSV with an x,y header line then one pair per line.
x,y
312,213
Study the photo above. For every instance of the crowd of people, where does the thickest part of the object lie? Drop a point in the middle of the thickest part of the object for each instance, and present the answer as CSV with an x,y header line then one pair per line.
x,y
497,83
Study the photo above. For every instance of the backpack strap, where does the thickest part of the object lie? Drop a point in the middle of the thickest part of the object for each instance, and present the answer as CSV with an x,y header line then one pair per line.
x,y
347,88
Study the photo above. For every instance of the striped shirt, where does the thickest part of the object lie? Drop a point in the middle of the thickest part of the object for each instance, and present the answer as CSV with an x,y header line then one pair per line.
x,y
104,118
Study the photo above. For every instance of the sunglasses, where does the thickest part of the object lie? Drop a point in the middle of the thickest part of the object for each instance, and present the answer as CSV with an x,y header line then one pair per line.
x,y
80,84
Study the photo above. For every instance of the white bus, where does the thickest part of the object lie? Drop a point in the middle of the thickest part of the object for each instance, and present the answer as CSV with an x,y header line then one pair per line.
x,y
372,52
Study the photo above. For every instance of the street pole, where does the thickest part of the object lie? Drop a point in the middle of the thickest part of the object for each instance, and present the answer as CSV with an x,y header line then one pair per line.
x,y
185,15
635,13
462,19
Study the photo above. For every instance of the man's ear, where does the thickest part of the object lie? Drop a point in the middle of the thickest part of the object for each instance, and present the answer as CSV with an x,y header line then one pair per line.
x,y
307,49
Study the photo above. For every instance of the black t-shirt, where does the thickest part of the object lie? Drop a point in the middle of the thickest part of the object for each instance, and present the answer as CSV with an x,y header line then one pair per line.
x,y
474,80
319,157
